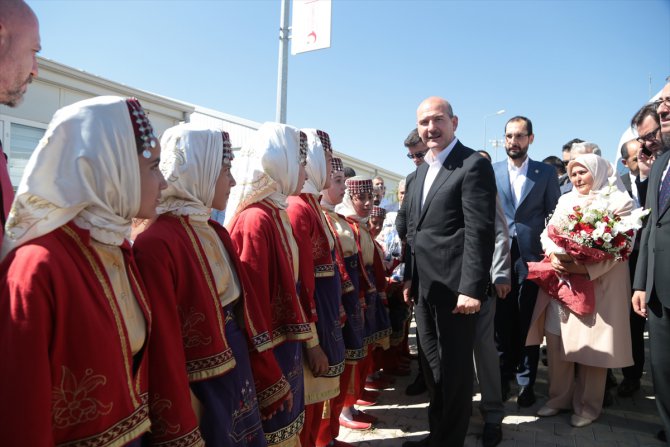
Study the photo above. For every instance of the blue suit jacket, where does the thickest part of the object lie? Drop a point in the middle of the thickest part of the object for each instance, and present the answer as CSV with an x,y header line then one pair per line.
x,y
538,200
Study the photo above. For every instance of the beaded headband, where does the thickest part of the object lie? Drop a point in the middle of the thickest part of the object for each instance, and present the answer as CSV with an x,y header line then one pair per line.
x,y
144,132
325,141
378,211
358,186
228,154
303,147
336,165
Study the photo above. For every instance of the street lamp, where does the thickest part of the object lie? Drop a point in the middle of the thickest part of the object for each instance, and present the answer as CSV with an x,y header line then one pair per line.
x,y
499,112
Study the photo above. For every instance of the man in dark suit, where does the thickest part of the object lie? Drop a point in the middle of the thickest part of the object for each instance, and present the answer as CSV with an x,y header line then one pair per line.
x,y
452,227
528,192
651,298
416,150
635,182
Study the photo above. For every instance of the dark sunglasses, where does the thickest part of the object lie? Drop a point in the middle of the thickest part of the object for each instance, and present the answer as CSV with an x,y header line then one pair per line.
x,y
420,154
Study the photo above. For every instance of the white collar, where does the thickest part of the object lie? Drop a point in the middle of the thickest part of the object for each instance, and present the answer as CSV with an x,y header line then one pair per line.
x,y
521,169
430,158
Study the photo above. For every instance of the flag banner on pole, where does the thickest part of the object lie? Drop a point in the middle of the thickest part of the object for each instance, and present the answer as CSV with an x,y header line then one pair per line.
x,y
311,25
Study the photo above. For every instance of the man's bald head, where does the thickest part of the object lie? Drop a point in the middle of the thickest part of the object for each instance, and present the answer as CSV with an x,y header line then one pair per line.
x,y
19,44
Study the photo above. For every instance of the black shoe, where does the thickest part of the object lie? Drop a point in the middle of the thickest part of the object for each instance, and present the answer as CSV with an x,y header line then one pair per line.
x,y
661,436
627,387
611,381
526,397
492,435
608,400
417,387
504,387
420,443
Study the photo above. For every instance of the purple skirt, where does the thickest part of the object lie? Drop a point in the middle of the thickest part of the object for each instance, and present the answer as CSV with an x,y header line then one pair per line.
x,y
285,425
328,296
353,330
377,322
231,416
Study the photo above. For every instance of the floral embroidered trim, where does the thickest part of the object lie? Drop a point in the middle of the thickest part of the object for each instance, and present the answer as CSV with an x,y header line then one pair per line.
x,y
273,393
113,304
73,402
120,433
278,438
212,366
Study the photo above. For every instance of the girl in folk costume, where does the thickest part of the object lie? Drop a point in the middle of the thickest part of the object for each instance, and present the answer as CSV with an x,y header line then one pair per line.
x,y
346,257
74,316
200,378
320,286
392,361
271,167
356,207
580,348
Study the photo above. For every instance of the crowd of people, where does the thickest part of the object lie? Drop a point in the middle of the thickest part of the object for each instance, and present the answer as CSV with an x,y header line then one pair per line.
x,y
130,316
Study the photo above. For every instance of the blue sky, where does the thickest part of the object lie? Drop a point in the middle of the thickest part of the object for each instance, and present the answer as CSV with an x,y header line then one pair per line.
x,y
575,68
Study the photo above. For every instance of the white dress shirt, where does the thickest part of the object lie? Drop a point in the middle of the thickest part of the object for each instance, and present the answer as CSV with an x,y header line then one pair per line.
x,y
434,165
517,178
633,189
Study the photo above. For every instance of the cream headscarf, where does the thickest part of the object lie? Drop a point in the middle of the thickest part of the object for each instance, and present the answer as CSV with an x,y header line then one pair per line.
x,y
316,163
346,208
191,160
85,168
601,170
266,167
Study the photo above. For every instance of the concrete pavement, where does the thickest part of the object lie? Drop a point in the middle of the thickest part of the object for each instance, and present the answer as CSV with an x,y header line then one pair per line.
x,y
628,422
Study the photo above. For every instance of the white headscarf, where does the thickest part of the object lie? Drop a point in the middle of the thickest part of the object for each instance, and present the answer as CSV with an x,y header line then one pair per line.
x,y
601,170
191,160
316,163
346,208
85,168
266,167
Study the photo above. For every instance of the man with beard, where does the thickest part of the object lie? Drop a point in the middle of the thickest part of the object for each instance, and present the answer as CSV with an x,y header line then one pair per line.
x,y
19,44
528,192
651,298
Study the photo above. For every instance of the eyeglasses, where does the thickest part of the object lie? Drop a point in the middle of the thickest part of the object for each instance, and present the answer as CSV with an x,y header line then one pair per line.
x,y
664,101
418,155
649,136
518,136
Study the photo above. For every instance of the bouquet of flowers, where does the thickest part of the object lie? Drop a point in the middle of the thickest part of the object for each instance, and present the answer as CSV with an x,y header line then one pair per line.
x,y
588,234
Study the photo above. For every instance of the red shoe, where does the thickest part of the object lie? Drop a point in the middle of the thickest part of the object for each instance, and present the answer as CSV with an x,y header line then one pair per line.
x,y
353,425
364,417
377,384
365,403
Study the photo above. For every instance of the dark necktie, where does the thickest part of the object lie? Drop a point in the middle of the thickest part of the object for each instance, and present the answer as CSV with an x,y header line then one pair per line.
x,y
664,193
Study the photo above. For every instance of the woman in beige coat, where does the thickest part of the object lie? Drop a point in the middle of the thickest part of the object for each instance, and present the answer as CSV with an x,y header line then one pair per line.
x,y
581,348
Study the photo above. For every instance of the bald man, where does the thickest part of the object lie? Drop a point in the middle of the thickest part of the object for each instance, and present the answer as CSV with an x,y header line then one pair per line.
x,y
454,188
19,44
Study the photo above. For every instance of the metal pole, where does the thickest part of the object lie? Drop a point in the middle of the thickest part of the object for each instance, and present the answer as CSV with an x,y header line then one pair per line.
x,y
282,72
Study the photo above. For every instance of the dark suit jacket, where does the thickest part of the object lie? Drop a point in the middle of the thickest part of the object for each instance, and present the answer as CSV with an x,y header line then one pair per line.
x,y
453,233
401,217
539,196
653,263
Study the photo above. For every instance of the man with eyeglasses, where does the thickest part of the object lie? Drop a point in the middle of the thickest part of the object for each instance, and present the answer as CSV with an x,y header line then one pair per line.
x,y
647,123
651,298
416,150
528,193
